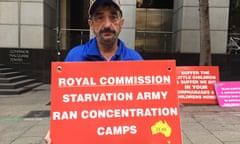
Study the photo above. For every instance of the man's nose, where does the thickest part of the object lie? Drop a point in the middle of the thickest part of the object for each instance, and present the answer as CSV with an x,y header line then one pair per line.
x,y
107,22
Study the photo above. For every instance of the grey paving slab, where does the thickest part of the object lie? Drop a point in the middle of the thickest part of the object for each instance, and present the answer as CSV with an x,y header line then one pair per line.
x,y
14,128
198,134
185,139
28,140
36,131
237,142
225,136
14,131
210,124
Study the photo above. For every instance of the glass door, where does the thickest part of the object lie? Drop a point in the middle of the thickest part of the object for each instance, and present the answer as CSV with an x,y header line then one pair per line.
x,y
74,28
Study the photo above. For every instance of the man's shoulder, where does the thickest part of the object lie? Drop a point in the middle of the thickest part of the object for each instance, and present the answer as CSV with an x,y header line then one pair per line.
x,y
84,46
131,54
80,52
78,48
77,53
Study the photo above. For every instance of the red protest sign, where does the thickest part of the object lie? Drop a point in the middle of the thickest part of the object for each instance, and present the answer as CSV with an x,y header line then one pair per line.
x,y
195,84
114,102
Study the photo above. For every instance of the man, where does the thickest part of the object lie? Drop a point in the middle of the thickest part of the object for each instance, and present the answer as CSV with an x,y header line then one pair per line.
x,y
106,21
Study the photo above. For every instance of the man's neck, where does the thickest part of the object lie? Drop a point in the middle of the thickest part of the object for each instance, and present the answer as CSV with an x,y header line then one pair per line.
x,y
108,51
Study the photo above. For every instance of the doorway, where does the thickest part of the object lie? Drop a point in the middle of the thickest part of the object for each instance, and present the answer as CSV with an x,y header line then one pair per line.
x,y
74,28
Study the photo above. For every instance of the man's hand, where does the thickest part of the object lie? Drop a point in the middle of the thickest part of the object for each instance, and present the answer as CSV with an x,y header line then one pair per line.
x,y
48,138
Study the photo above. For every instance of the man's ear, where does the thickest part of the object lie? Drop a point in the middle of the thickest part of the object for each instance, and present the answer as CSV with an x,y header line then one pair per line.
x,y
90,23
122,22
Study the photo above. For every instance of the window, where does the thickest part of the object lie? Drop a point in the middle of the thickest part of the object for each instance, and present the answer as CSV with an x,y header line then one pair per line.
x,y
154,26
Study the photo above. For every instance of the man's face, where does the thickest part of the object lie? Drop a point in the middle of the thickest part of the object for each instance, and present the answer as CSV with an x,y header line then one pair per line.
x,y
106,23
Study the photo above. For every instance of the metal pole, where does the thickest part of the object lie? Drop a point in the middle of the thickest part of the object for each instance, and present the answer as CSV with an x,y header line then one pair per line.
x,y
58,30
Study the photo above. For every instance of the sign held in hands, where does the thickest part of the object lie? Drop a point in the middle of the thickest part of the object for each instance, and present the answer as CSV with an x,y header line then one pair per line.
x,y
115,102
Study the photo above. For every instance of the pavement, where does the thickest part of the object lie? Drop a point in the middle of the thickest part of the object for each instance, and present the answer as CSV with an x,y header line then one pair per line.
x,y
24,119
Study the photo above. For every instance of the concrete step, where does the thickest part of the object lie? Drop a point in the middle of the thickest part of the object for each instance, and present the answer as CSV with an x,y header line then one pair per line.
x,y
13,79
20,89
14,82
2,65
17,84
9,74
2,70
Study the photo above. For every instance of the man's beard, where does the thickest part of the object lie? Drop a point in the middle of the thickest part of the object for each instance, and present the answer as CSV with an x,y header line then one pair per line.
x,y
107,42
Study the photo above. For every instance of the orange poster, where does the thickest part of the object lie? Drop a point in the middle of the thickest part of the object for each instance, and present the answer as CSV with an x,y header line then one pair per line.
x,y
195,84
124,102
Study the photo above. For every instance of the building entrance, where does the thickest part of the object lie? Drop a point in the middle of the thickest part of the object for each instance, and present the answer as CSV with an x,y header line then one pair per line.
x,y
74,28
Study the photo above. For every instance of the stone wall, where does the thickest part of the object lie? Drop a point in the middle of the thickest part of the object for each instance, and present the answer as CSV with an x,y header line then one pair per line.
x,y
27,24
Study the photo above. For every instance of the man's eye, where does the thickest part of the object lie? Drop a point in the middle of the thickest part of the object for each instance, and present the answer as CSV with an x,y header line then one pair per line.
x,y
99,17
113,17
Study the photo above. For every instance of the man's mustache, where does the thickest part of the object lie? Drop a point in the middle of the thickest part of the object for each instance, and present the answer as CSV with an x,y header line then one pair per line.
x,y
107,31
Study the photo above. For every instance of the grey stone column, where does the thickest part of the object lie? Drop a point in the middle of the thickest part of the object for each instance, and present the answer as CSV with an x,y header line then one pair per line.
x,y
186,28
